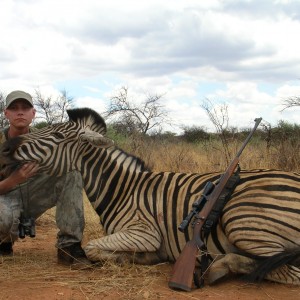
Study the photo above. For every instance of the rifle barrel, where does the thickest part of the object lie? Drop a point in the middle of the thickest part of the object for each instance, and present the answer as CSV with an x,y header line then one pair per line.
x,y
257,121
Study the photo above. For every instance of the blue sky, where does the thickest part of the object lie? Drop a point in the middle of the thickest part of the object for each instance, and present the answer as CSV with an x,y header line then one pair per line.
x,y
243,54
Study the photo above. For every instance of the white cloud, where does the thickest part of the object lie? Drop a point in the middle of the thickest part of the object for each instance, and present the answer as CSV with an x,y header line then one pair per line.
x,y
91,102
242,53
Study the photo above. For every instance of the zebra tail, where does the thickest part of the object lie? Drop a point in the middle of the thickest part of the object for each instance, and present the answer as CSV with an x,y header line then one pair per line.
x,y
271,263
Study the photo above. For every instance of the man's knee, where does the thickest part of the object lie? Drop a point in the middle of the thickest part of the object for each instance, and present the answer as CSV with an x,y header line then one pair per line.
x,y
73,181
9,221
75,177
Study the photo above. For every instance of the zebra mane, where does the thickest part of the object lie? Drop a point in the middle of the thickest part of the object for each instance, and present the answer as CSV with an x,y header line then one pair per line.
x,y
139,163
88,116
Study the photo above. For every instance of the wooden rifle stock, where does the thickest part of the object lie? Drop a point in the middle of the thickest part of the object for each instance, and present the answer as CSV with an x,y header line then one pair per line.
x,y
183,270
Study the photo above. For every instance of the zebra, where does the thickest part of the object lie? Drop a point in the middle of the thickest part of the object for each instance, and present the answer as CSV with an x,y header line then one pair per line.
x,y
258,233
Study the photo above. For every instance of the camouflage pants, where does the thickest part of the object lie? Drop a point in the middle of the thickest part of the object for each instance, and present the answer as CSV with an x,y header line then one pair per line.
x,y
39,194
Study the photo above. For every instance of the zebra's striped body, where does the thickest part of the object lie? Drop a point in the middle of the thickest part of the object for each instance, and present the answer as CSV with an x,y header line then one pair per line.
x,y
141,210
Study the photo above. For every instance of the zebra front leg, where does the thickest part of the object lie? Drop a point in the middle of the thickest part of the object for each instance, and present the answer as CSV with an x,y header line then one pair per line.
x,y
257,270
127,246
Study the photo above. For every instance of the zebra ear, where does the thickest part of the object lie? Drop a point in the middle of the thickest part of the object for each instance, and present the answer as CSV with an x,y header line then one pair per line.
x,y
88,117
96,139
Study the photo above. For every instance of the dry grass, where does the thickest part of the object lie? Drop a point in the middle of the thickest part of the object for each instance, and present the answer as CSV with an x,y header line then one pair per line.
x,y
205,158
210,157
130,281
32,268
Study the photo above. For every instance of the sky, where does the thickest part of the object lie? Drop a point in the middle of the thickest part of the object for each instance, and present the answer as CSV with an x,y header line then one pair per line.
x,y
243,55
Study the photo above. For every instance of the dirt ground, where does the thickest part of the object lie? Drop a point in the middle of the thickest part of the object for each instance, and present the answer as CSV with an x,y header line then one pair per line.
x,y
33,273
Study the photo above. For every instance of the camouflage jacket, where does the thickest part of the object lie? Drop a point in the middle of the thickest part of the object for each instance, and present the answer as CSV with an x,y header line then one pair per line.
x,y
4,133
4,136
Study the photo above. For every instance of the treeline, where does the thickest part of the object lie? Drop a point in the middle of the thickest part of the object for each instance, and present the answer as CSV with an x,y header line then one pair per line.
x,y
284,132
196,150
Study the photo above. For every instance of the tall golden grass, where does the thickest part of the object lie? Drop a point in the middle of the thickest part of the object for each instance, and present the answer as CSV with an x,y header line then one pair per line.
x,y
209,156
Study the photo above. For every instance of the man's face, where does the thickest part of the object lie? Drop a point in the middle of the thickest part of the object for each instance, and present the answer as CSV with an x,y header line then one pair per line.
x,y
20,113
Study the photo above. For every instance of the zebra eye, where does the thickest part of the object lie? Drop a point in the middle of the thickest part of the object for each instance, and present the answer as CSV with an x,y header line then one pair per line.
x,y
58,135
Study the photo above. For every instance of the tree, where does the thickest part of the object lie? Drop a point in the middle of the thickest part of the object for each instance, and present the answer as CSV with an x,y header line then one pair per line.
x,y
139,118
219,117
291,102
52,110
195,134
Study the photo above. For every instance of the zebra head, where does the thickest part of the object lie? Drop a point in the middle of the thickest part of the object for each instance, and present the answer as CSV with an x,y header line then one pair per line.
x,y
56,148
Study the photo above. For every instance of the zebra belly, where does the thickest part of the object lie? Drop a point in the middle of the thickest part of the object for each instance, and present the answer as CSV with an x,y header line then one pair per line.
x,y
263,216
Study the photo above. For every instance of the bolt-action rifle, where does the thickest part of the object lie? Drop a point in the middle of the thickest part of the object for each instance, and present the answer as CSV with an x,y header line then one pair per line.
x,y
183,270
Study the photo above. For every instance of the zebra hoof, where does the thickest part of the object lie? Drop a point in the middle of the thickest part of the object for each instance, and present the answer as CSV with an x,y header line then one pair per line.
x,y
216,274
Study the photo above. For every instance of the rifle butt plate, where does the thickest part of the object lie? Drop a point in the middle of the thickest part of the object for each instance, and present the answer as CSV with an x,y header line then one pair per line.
x,y
177,286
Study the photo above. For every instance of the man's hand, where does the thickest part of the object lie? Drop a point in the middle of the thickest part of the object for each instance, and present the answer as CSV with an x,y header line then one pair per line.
x,y
26,171
17,177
